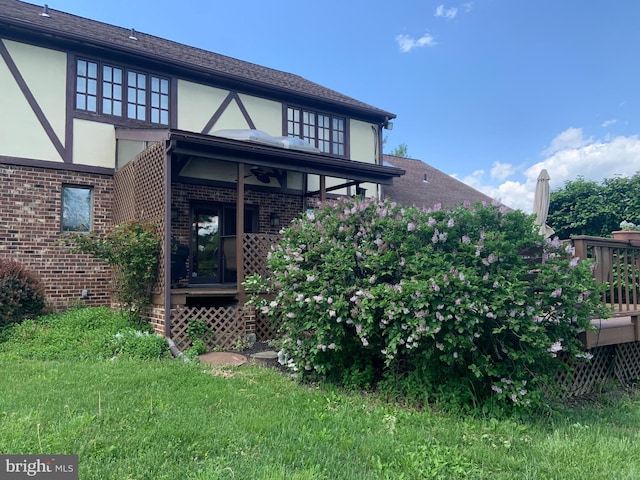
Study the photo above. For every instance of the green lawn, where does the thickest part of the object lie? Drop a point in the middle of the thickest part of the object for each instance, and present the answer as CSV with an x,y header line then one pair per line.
x,y
166,419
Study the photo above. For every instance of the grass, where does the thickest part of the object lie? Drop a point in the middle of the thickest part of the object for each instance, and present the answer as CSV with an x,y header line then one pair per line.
x,y
167,419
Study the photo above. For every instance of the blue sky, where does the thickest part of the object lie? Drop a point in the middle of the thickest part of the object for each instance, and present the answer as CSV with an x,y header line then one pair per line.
x,y
490,91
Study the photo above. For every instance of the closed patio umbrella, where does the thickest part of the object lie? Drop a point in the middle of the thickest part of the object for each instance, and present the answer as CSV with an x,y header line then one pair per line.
x,y
541,203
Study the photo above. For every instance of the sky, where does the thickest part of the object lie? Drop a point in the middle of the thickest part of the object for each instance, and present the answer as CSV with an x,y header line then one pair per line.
x,y
489,91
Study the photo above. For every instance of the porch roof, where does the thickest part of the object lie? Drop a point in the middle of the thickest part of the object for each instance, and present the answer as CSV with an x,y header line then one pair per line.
x,y
242,151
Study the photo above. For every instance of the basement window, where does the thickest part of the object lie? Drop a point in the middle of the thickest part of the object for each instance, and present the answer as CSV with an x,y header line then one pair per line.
x,y
77,207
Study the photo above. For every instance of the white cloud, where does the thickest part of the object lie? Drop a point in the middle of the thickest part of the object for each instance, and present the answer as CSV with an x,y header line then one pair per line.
x,y
500,171
408,43
607,123
572,157
467,6
570,138
448,13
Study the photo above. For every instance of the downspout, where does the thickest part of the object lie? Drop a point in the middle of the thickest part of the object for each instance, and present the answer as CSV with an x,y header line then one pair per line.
x,y
167,239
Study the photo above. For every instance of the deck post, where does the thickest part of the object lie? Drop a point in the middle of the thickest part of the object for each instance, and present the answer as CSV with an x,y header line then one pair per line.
x,y
323,188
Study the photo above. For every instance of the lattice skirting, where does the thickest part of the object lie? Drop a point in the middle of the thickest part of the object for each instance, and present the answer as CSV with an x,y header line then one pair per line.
x,y
227,324
613,362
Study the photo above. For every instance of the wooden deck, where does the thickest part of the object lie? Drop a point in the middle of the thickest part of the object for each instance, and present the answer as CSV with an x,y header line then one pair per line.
x,y
612,331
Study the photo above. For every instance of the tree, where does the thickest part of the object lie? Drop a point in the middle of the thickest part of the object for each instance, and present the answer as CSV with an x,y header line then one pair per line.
x,y
586,207
400,151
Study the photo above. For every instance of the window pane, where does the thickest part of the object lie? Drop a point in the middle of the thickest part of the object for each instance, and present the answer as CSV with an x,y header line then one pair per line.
x,y
164,86
131,95
155,101
92,70
117,108
155,84
131,110
142,80
92,87
82,68
107,74
76,209
131,78
117,92
155,118
81,85
164,117
91,104
141,112
106,107
81,103
164,102
141,97
117,75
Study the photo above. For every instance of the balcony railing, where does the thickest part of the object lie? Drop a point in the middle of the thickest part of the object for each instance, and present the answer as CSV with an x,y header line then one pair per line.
x,y
617,263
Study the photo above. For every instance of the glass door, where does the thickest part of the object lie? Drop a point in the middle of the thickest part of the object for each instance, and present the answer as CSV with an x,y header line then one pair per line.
x,y
205,245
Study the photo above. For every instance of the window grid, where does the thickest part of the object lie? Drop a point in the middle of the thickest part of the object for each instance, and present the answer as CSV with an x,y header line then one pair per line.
x,y
136,96
159,100
111,90
323,131
86,86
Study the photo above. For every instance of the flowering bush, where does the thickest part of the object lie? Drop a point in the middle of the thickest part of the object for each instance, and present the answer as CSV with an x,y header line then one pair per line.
x,y
461,306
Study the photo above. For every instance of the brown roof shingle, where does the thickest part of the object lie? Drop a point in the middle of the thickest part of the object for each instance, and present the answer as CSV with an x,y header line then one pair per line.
x,y
14,13
439,188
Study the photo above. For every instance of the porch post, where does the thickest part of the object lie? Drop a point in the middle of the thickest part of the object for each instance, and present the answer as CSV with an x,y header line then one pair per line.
x,y
167,245
323,188
240,234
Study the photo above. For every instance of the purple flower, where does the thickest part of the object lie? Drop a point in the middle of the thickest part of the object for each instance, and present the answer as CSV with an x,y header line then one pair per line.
x,y
411,227
557,292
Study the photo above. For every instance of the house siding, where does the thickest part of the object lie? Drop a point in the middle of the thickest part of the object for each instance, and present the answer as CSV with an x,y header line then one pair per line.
x,y
30,216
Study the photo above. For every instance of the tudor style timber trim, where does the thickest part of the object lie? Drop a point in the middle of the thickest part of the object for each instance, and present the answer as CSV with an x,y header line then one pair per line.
x,y
221,109
33,103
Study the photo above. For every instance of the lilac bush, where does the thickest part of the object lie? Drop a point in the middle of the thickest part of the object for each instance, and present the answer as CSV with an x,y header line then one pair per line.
x,y
465,306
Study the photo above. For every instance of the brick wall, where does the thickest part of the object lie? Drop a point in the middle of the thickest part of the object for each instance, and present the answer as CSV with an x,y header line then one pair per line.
x,y
30,216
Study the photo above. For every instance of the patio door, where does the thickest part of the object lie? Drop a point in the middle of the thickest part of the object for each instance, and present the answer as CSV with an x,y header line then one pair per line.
x,y
205,245
213,242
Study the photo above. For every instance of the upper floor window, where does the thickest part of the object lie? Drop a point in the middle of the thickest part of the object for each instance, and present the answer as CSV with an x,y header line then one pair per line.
x,y
321,130
113,90
77,205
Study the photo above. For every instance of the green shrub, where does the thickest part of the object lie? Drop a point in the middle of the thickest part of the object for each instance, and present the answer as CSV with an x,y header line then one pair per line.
x,y
131,343
447,306
78,334
133,250
21,293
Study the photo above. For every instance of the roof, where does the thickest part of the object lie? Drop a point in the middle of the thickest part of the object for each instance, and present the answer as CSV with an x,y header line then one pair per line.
x,y
21,16
439,188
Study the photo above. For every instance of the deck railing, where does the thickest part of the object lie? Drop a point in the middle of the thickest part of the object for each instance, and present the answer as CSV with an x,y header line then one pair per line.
x,y
256,247
617,263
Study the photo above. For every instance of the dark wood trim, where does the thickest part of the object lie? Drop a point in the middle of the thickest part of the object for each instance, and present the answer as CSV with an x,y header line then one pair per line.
x,y
167,244
240,234
244,111
33,103
70,100
173,102
142,135
218,113
69,167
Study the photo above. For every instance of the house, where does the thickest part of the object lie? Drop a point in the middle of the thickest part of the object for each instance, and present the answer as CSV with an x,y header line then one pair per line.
x,y
426,186
102,124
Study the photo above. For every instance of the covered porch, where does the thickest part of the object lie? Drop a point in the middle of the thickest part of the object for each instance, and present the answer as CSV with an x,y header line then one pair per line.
x,y
220,202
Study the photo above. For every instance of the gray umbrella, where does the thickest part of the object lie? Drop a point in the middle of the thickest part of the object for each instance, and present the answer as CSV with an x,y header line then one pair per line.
x,y
541,203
